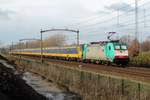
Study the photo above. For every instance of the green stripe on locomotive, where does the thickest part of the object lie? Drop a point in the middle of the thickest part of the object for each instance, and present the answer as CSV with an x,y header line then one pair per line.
x,y
110,51
84,50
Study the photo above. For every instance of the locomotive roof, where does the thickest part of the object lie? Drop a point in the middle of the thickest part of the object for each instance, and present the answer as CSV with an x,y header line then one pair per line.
x,y
103,42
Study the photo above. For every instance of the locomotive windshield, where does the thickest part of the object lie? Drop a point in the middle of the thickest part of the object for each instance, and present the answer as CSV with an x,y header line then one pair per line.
x,y
120,46
117,47
123,47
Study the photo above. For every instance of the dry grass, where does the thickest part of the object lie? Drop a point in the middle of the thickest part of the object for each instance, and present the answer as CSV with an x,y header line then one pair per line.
x,y
143,59
90,86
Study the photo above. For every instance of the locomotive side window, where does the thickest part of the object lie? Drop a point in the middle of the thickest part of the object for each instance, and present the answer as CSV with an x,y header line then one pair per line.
x,y
124,47
117,47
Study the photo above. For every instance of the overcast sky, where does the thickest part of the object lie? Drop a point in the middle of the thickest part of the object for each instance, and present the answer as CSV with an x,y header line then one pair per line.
x,y
24,18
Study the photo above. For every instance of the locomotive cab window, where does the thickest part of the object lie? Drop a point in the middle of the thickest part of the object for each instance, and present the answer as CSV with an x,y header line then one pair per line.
x,y
117,47
123,47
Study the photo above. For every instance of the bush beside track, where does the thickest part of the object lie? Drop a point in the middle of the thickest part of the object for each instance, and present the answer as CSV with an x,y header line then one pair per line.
x,y
142,60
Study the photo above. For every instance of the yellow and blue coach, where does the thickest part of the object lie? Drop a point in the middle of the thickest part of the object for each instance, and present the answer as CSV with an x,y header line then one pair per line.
x,y
72,52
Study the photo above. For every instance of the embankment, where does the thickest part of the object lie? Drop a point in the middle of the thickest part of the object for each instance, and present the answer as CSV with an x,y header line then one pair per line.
x,y
90,85
13,87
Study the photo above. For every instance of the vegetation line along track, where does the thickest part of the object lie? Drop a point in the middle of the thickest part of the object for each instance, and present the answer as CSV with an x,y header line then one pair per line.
x,y
129,71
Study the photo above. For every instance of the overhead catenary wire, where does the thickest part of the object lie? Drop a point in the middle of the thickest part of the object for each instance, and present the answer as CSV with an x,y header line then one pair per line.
x,y
128,27
124,28
85,21
101,23
125,24
114,17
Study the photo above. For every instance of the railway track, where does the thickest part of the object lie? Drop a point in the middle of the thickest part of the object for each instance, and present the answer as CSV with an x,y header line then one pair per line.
x,y
129,71
142,74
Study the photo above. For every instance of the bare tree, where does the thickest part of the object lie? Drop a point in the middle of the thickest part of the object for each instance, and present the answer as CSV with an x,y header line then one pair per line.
x,y
134,48
145,46
133,45
55,40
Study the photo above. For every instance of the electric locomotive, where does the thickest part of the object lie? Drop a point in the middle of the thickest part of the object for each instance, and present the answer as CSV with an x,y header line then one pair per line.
x,y
106,52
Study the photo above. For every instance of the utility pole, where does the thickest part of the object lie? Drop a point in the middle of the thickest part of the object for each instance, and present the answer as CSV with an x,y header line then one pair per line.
x,y
69,30
136,19
26,39
12,46
118,22
137,26
118,17
20,50
144,18
78,43
41,45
